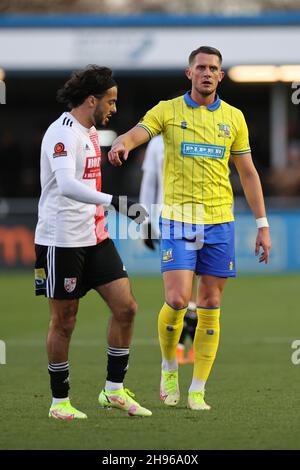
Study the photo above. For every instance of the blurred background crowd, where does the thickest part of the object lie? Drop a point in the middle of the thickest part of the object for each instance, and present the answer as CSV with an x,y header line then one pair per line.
x,y
31,98
134,6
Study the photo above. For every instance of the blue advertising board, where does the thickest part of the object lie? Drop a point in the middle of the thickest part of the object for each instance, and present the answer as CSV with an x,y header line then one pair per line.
x,y
285,253
17,248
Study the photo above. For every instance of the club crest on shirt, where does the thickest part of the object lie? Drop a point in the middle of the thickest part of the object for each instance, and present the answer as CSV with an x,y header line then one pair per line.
x,y
70,283
224,130
59,150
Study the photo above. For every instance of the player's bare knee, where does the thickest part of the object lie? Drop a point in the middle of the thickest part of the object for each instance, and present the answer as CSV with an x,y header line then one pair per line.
x,y
126,313
130,311
177,300
211,301
64,327
67,329
64,319
134,308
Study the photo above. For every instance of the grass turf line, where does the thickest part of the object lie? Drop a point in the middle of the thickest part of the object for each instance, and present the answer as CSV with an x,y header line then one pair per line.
x,y
253,389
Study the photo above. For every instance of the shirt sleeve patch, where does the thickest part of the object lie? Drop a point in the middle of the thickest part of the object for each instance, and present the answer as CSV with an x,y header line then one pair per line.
x,y
59,150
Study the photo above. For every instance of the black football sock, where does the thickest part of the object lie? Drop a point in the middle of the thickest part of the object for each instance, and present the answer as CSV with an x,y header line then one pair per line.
x,y
59,379
117,364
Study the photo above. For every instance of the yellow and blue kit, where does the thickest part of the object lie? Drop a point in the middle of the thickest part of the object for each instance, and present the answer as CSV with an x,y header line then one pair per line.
x,y
198,142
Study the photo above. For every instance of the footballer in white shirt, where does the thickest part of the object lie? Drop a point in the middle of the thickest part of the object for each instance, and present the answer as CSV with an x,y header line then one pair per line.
x,y
73,250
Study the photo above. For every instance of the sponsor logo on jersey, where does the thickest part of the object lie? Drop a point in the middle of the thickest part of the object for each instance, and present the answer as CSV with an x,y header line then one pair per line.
x,y
59,150
191,149
92,168
167,255
183,125
70,283
224,130
87,147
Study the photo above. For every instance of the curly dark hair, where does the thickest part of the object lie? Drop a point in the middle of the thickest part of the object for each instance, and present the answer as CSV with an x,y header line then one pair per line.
x,y
93,80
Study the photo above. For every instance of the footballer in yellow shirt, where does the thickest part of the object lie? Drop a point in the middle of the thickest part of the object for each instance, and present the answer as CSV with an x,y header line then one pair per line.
x,y
200,133
198,142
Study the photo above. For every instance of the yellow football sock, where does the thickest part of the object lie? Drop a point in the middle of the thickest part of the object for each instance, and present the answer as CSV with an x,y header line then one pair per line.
x,y
206,341
170,324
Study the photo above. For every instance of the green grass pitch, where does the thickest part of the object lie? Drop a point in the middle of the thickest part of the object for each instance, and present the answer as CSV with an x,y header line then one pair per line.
x,y
253,389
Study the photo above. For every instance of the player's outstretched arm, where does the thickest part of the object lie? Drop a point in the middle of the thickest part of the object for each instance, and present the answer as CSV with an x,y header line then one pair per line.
x,y
253,191
69,187
125,143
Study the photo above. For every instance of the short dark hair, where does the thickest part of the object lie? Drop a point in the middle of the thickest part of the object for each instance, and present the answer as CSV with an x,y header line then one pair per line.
x,y
93,80
205,50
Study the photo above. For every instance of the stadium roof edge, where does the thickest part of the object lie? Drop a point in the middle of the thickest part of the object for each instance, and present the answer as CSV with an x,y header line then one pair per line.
x,y
52,20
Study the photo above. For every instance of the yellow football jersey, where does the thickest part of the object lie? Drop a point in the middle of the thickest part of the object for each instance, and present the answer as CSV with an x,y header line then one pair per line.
x,y
198,142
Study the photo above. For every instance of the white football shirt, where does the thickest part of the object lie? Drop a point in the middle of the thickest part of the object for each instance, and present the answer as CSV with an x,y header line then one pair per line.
x,y
152,182
64,222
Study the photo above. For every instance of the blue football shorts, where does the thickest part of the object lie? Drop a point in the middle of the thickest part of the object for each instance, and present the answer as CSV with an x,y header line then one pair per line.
x,y
203,249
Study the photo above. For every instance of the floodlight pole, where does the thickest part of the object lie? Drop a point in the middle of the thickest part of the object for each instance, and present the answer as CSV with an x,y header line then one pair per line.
x,y
279,125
